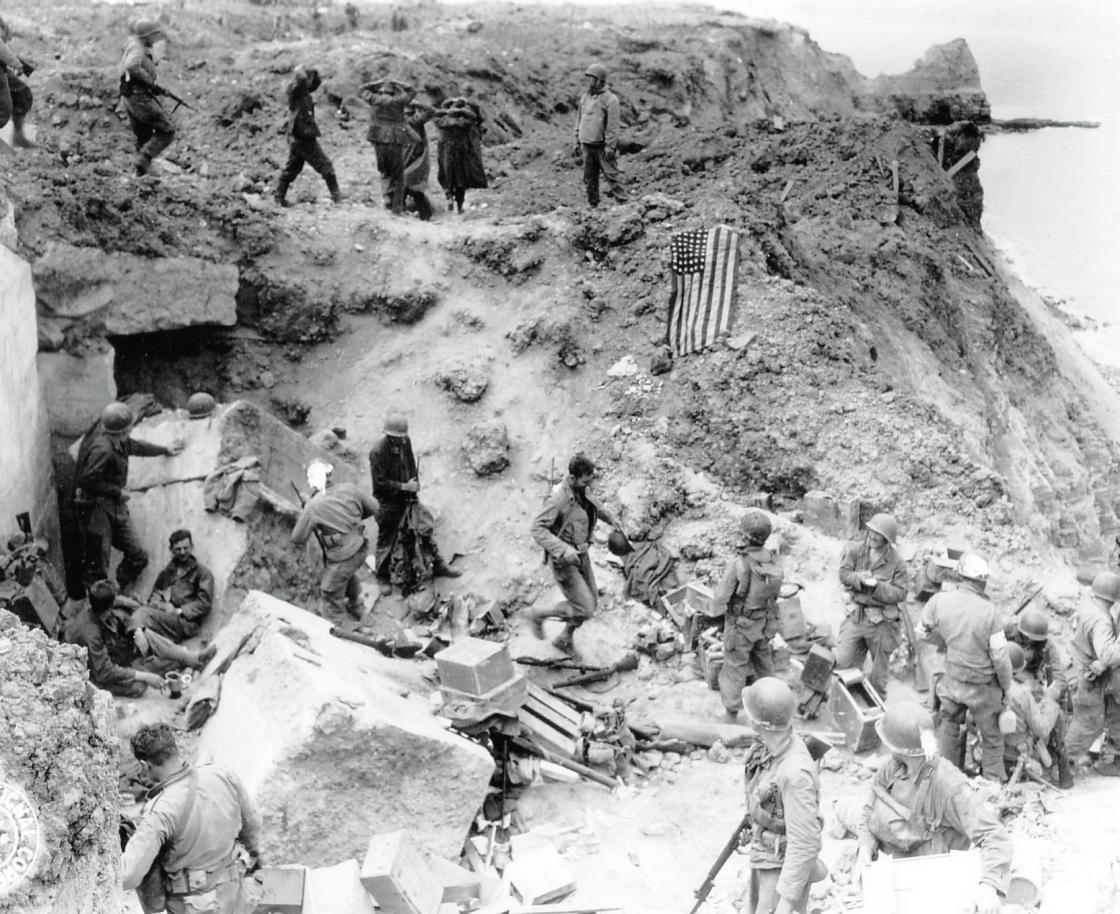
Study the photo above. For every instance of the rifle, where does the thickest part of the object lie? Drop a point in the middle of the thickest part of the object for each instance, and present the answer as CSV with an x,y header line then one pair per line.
x,y
318,537
1026,601
817,748
126,89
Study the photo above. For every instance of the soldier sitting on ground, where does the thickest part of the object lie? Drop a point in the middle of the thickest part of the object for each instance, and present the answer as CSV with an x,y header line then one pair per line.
x,y
123,660
182,596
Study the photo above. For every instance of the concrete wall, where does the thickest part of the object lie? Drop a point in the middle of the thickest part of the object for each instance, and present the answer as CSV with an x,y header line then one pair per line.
x,y
26,481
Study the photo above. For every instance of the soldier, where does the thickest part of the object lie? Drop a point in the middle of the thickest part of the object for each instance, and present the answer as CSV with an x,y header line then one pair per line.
x,y
190,826
335,513
1096,654
407,553
459,122
874,575
919,804
121,659
596,137
419,165
977,673
393,139
564,529
183,593
100,494
15,96
1034,719
1046,673
303,137
783,802
747,595
153,128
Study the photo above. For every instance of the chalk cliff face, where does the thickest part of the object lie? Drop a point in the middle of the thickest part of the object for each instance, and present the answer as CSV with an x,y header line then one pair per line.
x,y
943,87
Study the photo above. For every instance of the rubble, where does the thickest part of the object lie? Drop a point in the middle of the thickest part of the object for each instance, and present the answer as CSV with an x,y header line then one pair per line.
x,y
486,448
60,751
308,738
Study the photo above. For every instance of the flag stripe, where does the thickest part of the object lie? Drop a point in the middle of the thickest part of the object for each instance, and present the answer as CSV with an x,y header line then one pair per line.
x,y
705,269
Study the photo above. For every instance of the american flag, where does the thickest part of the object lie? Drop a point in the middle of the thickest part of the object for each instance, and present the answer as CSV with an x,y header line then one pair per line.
x,y
704,264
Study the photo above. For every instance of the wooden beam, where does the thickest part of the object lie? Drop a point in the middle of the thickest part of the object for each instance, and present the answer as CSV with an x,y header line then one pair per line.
x,y
786,190
961,162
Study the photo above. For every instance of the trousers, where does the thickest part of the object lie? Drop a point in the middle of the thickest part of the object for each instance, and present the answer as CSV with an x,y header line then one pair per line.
x,y
15,98
150,124
984,701
391,160
165,655
339,589
762,896
108,525
1096,710
581,593
858,637
747,654
305,152
597,163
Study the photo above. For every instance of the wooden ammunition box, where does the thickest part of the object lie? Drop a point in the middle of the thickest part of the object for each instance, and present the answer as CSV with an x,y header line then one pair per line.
x,y
397,875
282,890
473,666
791,620
855,707
817,672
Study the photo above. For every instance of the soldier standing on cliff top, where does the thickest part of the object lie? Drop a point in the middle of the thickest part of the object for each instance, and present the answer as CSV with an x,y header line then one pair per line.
x,y
150,123
303,137
597,123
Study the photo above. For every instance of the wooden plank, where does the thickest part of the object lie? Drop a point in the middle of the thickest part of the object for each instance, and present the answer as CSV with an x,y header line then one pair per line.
x,y
549,716
548,736
961,163
786,190
564,908
557,704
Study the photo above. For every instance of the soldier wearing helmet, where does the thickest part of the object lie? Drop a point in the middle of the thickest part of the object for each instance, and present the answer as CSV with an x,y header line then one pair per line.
x,y
1096,656
1035,719
564,530
747,596
596,138
977,673
875,578
919,804
151,125
783,804
101,494
407,553
1046,674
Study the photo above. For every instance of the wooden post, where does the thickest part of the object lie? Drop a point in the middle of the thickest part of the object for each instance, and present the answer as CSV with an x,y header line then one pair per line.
x,y
961,163
941,147
894,177
786,190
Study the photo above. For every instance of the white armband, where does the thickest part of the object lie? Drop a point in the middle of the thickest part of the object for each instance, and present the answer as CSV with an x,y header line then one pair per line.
x,y
997,641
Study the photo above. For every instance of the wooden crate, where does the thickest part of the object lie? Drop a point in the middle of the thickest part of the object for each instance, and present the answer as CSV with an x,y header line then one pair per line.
x,y
473,666
396,873
855,708
935,884
553,723
281,890
682,602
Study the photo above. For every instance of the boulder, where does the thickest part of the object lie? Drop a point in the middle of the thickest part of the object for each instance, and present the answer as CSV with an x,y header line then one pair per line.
x,y
319,730
130,294
58,779
486,448
76,387
466,383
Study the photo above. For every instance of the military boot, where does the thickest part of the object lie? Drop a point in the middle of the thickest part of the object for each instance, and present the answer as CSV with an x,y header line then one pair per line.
x,y
332,186
19,138
536,621
565,642
143,164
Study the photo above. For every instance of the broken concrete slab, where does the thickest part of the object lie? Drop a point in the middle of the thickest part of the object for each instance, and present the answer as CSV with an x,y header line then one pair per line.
x,y
128,294
331,751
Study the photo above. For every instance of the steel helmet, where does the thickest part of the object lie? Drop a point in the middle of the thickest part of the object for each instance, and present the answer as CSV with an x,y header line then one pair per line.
x,y
769,703
755,526
1017,656
1106,586
973,567
396,425
886,526
116,417
597,70
618,544
1033,624
145,28
903,726
200,405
